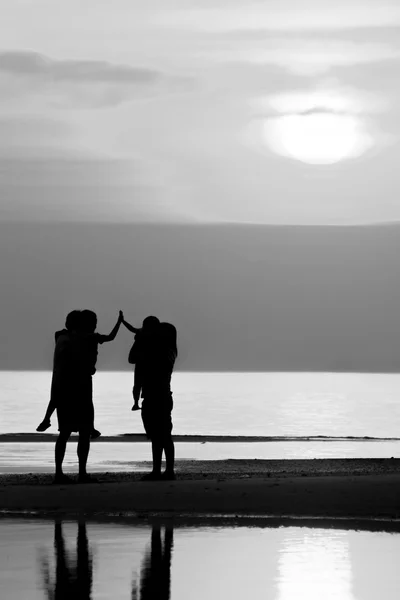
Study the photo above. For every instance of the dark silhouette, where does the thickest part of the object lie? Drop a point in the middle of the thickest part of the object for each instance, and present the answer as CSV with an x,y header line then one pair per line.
x,y
73,576
155,575
73,326
74,364
154,353
144,339
157,402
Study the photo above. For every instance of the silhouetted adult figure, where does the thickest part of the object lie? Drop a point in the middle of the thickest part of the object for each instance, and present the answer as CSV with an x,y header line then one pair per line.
x,y
155,574
145,338
157,404
74,365
73,327
73,575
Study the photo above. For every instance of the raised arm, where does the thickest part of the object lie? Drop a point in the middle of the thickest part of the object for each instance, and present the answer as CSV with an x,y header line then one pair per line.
x,y
130,327
112,335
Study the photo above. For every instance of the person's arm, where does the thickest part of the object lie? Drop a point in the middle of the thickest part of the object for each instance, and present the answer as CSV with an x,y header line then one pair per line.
x,y
113,334
130,327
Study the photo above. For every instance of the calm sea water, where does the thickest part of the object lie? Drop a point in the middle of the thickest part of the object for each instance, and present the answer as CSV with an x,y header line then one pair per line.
x,y
262,404
46,559
267,404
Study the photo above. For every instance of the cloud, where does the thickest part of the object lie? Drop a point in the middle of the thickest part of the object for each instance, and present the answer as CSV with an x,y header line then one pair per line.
x,y
33,64
285,15
74,83
328,95
307,57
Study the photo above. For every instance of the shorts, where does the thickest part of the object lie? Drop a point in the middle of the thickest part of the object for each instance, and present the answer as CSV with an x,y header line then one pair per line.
x,y
157,417
76,412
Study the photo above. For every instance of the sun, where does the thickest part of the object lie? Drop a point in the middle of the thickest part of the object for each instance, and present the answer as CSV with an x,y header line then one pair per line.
x,y
318,137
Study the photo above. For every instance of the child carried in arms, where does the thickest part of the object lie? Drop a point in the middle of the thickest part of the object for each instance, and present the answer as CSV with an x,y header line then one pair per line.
x,y
144,339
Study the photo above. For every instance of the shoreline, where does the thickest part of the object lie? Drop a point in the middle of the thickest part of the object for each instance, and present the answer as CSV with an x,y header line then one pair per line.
x,y
196,520
187,438
309,488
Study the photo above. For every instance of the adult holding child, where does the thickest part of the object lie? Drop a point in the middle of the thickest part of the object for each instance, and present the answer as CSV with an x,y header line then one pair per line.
x,y
155,355
71,395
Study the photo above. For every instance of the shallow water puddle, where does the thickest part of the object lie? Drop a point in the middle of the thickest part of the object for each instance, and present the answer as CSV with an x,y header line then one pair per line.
x,y
60,559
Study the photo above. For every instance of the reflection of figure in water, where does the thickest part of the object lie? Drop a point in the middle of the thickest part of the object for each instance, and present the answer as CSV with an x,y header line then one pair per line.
x,y
144,339
155,575
73,575
155,359
74,364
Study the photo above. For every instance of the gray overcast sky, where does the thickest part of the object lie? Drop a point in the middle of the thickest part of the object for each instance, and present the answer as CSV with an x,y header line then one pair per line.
x,y
221,163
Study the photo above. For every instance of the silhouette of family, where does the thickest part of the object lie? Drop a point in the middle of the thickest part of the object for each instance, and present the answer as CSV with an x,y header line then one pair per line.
x,y
153,354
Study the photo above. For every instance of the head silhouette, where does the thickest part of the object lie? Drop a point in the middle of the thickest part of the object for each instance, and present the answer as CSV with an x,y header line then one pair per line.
x,y
73,320
88,321
150,324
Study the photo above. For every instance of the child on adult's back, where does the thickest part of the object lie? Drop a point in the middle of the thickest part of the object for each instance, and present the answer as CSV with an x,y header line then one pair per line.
x,y
80,338
65,342
71,393
75,358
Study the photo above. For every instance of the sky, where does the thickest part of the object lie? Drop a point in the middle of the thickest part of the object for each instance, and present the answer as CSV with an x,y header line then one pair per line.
x,y
211,148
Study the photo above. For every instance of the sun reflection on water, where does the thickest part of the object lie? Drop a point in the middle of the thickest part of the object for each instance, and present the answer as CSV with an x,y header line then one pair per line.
x,y
314,566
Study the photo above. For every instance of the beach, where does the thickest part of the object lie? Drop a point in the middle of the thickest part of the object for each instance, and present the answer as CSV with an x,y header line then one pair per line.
x,y
331,488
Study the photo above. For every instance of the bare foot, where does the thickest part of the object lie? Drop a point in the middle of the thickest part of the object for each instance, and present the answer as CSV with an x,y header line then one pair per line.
x,y
45,424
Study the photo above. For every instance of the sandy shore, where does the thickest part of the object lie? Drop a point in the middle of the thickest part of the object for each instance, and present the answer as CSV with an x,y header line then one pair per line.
x,y
342,488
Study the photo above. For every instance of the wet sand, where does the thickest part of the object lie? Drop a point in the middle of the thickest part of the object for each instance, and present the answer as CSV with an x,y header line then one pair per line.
x,y
141,437
342,488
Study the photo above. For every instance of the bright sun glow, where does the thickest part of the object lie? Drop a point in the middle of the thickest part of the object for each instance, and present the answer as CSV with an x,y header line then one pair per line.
x,y
318,137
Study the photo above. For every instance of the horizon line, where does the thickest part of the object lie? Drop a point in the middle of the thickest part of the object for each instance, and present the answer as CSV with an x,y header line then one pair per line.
x,y
201,224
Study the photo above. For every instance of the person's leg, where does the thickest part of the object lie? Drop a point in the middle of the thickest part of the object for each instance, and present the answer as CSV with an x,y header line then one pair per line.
x,y
151,428
61,445
169,450
83,452
168,444
94,433
51,407
157,450
45,424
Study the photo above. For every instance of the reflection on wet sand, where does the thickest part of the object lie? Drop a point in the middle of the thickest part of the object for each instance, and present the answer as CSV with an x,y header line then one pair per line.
x,y
155,575
69,574
279,560
73,575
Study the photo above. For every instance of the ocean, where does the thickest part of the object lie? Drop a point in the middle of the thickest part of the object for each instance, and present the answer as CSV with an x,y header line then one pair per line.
x,y
352,406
